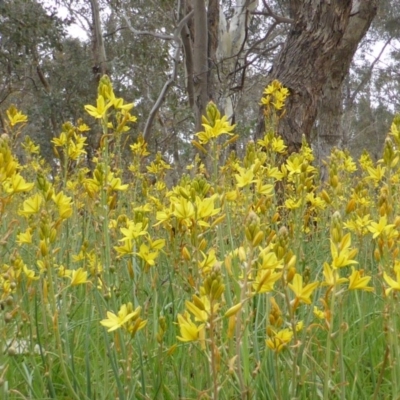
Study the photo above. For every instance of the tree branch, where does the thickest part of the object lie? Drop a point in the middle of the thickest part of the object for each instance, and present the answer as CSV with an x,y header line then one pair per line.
x,y
159,35
269,13
368,74
171,80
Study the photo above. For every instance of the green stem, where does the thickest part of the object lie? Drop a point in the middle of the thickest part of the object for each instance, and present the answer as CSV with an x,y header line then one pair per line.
x,y
329,347
54,311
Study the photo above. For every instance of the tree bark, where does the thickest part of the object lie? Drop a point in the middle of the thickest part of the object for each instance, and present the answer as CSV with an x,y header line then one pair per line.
x,y
200,60
304,64
100,67
329,128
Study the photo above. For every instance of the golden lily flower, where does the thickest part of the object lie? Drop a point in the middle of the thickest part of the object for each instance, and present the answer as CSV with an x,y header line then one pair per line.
x,y
126,248
221,126
205,209
303,293
208,262
376,174
114,322
200,315
244,177
115,184
17,184
134,230
15,117
319,313
183,209
25,237
280,340
31,205
146,255
30,274
358,225
381,227
64,204
342,254
78,277
265,280
189,330
292,204
359,282
393,284
332,276
101,109
265,190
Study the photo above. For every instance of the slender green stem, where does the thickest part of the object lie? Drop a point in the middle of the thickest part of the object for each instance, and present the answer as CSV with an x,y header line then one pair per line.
x,y
329,346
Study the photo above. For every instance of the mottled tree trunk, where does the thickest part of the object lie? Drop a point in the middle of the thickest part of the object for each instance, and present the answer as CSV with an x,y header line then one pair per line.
x,y
306,61
329,127
200,60
99,53
99,69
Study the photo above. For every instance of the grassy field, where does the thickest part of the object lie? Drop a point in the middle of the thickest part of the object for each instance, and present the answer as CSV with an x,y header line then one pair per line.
x,y
254,280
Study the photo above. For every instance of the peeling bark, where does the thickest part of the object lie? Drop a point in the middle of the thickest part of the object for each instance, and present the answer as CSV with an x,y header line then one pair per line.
x,y
100,67
329,129
200,60
306,61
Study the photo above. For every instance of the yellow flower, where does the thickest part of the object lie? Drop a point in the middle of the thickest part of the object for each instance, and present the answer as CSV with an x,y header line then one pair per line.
x,y
379,228
115,184
393,284
184,209
269,259
332,276
134,230
303,293
358,225
78,277
199,314
278,145
31,205
146,255
265,190
220,127
17,184
208,262
357,281
126,248
293,165
30,274
376,174
25,237
101,109
189,330
114,322
319,313
292,204
265,280
64,204
15,117
342,254
280,340
205,209
244,177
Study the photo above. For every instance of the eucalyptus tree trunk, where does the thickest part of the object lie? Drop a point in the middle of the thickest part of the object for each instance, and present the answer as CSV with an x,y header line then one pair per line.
x,y
100,67
231,51
200,60
309,60
329,129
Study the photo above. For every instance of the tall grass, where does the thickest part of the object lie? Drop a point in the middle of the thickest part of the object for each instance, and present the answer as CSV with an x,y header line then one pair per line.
x,y
257,281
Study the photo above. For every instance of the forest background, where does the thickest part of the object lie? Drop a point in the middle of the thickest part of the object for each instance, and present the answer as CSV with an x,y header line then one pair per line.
x,y
171,57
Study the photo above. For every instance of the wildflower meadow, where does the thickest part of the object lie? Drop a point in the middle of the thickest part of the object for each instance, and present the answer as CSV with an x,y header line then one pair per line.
x,y
251,278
